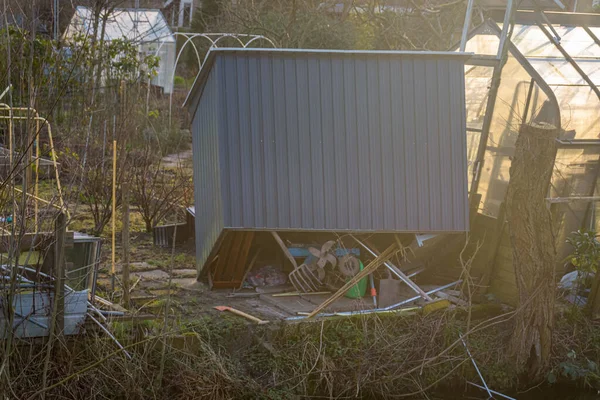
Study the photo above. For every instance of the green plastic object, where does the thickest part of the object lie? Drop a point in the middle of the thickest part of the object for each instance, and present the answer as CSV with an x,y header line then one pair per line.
x,y
357,291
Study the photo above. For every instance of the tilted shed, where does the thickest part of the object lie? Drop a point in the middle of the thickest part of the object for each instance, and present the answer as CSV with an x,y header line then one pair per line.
x,y
324,140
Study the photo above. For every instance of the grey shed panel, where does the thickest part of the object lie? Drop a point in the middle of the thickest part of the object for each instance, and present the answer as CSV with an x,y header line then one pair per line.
x,y
207,171
329,141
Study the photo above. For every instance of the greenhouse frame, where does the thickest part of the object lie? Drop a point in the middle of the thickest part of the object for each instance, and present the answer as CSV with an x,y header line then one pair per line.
x,y
550,77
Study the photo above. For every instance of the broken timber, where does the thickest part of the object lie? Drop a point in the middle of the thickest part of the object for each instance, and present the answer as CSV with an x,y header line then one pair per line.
x,y
396,271
372,266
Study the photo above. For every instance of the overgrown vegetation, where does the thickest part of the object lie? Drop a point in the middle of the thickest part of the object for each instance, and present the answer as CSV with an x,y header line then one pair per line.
x,y
365,357
95,92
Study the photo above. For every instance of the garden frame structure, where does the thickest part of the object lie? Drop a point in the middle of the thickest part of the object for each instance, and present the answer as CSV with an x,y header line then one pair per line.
x,y
550,76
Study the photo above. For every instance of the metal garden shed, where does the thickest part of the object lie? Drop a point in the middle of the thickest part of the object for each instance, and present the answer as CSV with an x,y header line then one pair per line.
x,y
324,140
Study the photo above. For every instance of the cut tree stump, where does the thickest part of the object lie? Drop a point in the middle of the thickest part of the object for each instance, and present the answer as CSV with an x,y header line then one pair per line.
x,y
533,246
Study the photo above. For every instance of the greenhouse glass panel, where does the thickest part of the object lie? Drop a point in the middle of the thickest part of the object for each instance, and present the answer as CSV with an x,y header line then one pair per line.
x,y
477,83
484,43
507,118
575,174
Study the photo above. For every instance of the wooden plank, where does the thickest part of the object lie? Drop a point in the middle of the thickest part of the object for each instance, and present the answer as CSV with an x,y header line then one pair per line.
x,y
284,249
372,266
235,256
249,267
223,256
573,199
228,269
230,266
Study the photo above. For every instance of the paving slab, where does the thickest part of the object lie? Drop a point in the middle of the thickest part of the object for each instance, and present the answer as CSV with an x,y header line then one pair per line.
x,y
184,282
152,275
185,273
141,266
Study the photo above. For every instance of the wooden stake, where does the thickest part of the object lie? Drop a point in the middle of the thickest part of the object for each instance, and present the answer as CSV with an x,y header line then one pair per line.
x,y
284,248
125,239
36,190
59,273
114,207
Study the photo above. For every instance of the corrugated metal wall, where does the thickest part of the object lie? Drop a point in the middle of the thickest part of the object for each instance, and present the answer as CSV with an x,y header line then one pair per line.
x,y
335,141
207,174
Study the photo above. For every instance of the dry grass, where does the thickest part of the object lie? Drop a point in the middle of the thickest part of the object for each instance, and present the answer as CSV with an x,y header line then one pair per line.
x,y
223,358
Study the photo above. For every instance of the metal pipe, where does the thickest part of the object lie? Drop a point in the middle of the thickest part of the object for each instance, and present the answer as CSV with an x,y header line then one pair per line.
x,y
528,101
396,272
417,297
352,313
378,310
592,35
116,313
489,111
569,59
97,311
119,345
52,153
5,91
547,21
505,28
466,26
493,391
475,365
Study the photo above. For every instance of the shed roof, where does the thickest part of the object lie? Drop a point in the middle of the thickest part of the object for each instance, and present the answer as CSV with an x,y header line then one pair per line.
x,y
140,25
194,95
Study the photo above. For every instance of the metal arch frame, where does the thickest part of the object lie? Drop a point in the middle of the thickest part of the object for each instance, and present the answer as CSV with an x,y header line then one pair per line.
x,y
214,43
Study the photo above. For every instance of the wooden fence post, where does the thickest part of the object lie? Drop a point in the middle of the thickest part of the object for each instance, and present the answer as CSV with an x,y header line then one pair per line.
x,y
125,242
59,272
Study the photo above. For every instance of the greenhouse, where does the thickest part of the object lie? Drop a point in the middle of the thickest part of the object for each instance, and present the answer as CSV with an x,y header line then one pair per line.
x,y
550,77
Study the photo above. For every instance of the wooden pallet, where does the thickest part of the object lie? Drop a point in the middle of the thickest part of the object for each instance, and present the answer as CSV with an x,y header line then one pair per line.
x,y
229,267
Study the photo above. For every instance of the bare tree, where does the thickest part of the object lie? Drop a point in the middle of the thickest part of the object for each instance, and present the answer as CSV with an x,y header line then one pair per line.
x,y
157,191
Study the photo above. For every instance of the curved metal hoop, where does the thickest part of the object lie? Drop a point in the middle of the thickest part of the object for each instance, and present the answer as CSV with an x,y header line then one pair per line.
x,y
214,39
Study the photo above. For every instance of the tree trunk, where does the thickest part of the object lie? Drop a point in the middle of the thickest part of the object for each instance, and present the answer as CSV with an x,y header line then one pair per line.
x,y
534,247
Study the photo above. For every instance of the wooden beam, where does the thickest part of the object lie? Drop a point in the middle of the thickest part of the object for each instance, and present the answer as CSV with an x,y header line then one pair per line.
x,y
372,266
573,199
284,248
59,273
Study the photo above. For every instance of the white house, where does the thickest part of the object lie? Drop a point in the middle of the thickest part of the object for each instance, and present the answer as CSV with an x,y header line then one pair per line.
x,y
148,28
